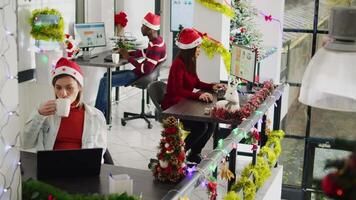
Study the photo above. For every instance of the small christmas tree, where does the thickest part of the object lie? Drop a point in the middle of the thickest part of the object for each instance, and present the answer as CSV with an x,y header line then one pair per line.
x,y
170,166
242,28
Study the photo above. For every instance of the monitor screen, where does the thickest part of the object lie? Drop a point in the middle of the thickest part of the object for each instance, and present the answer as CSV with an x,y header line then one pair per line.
x,y
90,34
243,63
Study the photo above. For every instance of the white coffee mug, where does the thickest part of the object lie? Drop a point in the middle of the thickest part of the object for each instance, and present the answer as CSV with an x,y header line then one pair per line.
x,y
116,58
62,107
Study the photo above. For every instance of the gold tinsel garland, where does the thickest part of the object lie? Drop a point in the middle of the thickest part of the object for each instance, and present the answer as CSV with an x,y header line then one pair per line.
x,y
212,47
213,5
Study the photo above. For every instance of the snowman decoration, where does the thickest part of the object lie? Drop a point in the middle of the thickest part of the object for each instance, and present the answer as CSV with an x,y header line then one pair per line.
x,y
231,103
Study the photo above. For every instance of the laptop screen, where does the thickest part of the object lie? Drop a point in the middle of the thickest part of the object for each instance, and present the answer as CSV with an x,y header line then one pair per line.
x,y
69,163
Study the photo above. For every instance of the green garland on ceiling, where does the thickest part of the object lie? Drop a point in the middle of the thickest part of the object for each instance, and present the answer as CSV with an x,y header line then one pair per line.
x,y
36,190
211,48
47,32
213,5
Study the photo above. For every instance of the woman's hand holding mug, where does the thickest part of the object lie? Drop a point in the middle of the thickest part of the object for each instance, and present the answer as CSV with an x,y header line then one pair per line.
x,y
47,108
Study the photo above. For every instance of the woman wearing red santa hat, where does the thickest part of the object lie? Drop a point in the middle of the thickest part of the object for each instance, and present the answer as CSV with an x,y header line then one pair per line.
x,y
182,80
85,125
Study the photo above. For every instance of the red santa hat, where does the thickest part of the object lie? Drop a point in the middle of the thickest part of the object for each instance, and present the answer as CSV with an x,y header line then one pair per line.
x,y
152,21
188,39
65,66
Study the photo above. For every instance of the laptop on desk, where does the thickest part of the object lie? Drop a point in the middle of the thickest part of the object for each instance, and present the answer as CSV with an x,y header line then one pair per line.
x,y
69,163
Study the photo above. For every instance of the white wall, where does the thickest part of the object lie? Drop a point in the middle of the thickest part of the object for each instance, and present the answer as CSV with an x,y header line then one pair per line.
x,y
10,184
166,29
97,11
217,26
271,36
136,10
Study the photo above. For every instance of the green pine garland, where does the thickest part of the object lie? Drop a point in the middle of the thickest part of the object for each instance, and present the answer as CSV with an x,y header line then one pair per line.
x,y
216,6
271,156
54,32
36,190
249,188
261,171
232,196
211,48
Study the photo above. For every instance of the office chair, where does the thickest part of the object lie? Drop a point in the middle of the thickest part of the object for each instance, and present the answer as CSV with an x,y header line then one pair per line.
x,y
156,91
142,83
107,158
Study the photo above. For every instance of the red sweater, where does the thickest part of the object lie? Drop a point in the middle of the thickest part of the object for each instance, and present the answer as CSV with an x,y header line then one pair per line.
x,y
181,84
155,53
70,130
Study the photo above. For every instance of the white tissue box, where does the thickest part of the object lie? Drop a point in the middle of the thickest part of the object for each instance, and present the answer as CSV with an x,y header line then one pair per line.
x,y
120,183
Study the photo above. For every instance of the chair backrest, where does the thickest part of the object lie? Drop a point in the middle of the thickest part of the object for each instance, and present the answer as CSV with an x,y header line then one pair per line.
x,y
156,91
146,79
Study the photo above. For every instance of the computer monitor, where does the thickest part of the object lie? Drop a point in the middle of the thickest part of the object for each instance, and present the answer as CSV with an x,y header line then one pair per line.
x,y
243,63
90,35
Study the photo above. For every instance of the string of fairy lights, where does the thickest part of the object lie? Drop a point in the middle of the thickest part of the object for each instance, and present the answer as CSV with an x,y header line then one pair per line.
x,y
10,177
211,161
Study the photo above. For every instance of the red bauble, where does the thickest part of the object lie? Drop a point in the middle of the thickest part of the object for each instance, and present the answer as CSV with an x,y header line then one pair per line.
x,y
170,130
181,156
330,186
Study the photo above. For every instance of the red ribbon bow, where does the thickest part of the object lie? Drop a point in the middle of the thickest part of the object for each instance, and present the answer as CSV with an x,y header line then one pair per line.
x,y
254,147
212,188
268,18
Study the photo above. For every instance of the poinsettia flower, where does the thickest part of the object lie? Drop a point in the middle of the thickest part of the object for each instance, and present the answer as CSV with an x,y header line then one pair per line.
x,y
121,19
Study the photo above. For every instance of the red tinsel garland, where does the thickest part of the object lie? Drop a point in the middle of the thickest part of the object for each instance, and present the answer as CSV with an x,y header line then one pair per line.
x,y
251,105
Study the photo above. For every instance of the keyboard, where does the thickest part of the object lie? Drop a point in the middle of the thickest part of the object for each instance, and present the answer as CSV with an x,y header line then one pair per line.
x,y
108,58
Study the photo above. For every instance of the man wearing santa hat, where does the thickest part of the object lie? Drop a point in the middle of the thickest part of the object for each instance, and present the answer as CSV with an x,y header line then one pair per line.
x,y
83,127
153,55
182,80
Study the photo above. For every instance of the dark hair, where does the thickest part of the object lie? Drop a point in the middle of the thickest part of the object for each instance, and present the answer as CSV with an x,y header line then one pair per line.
x,y
188,57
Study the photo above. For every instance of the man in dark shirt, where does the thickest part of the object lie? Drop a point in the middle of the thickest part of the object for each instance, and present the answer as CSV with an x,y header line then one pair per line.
x,y
153,55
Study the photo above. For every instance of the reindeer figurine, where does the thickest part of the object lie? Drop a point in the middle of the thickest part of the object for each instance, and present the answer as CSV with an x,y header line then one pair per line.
x,y
231,102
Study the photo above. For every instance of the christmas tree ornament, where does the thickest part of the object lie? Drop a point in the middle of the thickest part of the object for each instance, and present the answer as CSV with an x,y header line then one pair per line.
x,y
163,164
225,172
71,47
212,188
231,102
